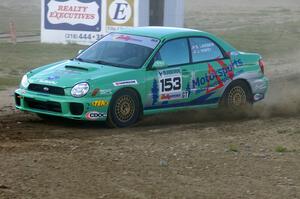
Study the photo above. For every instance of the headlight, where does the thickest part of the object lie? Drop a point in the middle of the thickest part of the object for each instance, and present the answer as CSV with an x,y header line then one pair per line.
x,y
24,81
80,90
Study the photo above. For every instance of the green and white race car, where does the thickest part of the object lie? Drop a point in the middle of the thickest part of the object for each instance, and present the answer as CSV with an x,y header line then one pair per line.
x,y
142,71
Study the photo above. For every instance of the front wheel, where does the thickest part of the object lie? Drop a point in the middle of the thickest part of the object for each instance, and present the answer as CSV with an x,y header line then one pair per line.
x,y
237,97
124,109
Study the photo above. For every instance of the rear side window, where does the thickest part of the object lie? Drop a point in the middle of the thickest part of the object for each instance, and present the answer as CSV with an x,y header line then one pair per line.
x,y
174,52
204,49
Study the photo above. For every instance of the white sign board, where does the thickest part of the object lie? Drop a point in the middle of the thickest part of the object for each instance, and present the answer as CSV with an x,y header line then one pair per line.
x,y
85,21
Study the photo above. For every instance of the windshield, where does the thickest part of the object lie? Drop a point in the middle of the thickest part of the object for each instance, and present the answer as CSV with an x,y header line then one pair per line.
x,y
120,50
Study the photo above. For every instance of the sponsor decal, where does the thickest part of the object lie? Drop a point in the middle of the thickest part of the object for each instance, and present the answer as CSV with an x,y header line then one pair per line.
x,y
236,63
170,72
94,115
77,15
106,92
120,13
100,103
226,72
167,97
170,84
209,80
202,48
95,92
185,94
126,38
234,53
101,92
201,100
53,77
125,83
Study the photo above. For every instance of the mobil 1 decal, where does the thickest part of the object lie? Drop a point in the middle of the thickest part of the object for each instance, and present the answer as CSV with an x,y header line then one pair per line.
x,y
170,84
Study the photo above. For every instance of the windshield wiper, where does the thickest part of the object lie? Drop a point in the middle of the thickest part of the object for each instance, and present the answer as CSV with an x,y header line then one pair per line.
x,y
84,60
79,59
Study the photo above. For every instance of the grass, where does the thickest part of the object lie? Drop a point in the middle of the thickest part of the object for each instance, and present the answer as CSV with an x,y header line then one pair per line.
x,y
25,14
233,148
297,131
9,81
15,60
281,149
268,30
271,41
283,131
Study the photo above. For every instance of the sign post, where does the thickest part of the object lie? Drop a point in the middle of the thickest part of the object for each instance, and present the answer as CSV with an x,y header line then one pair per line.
x,y
12,32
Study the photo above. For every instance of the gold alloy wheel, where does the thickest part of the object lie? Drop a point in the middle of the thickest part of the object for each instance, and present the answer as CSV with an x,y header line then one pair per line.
x,y
125,108
237,97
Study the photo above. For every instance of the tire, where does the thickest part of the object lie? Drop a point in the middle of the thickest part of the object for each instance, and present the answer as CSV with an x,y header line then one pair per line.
x,y
237,97
124,109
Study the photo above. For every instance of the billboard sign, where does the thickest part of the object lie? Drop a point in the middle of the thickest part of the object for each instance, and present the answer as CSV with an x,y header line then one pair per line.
x,y
85,21
73,15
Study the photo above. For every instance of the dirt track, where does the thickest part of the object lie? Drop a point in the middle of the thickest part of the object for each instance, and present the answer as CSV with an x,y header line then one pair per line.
x,y
205,155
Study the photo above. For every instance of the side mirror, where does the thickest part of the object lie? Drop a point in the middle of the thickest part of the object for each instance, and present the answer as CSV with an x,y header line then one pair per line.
x,y
159,65
79,52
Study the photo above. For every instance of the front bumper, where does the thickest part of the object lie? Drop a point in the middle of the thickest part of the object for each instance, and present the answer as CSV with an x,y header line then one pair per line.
x,y
62,106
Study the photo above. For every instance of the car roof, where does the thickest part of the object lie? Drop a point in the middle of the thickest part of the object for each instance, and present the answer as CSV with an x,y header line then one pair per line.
x,y
160,32
168,33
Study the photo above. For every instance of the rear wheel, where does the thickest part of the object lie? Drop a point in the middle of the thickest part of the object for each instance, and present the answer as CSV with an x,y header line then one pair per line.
x,y
124,109
237,97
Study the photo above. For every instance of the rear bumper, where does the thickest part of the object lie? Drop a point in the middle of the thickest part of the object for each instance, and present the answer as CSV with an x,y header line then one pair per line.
x,y
62,106
259,88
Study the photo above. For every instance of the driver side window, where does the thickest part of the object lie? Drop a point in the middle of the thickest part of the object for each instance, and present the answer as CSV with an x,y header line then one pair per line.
x,y
174,52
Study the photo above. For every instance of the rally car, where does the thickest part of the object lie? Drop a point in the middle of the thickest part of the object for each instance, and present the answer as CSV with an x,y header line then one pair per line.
x,y
142,71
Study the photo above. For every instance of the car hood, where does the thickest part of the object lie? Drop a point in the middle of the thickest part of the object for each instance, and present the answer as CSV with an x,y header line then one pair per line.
x,y
68,73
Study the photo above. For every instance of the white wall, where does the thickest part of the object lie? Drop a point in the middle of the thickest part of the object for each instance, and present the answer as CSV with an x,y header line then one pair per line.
x,y
174,13
144,12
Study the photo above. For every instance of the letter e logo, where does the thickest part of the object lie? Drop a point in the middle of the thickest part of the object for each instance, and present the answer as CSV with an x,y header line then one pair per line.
x,y
120,12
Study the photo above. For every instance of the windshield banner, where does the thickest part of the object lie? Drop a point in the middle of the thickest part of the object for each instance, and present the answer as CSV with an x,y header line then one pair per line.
x,y
133,39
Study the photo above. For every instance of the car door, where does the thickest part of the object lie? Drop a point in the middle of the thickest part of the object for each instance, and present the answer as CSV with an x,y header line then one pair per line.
x,y
167,86
212,70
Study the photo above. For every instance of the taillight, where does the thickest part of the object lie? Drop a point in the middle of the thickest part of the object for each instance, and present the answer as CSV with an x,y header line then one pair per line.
x,y
262,66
